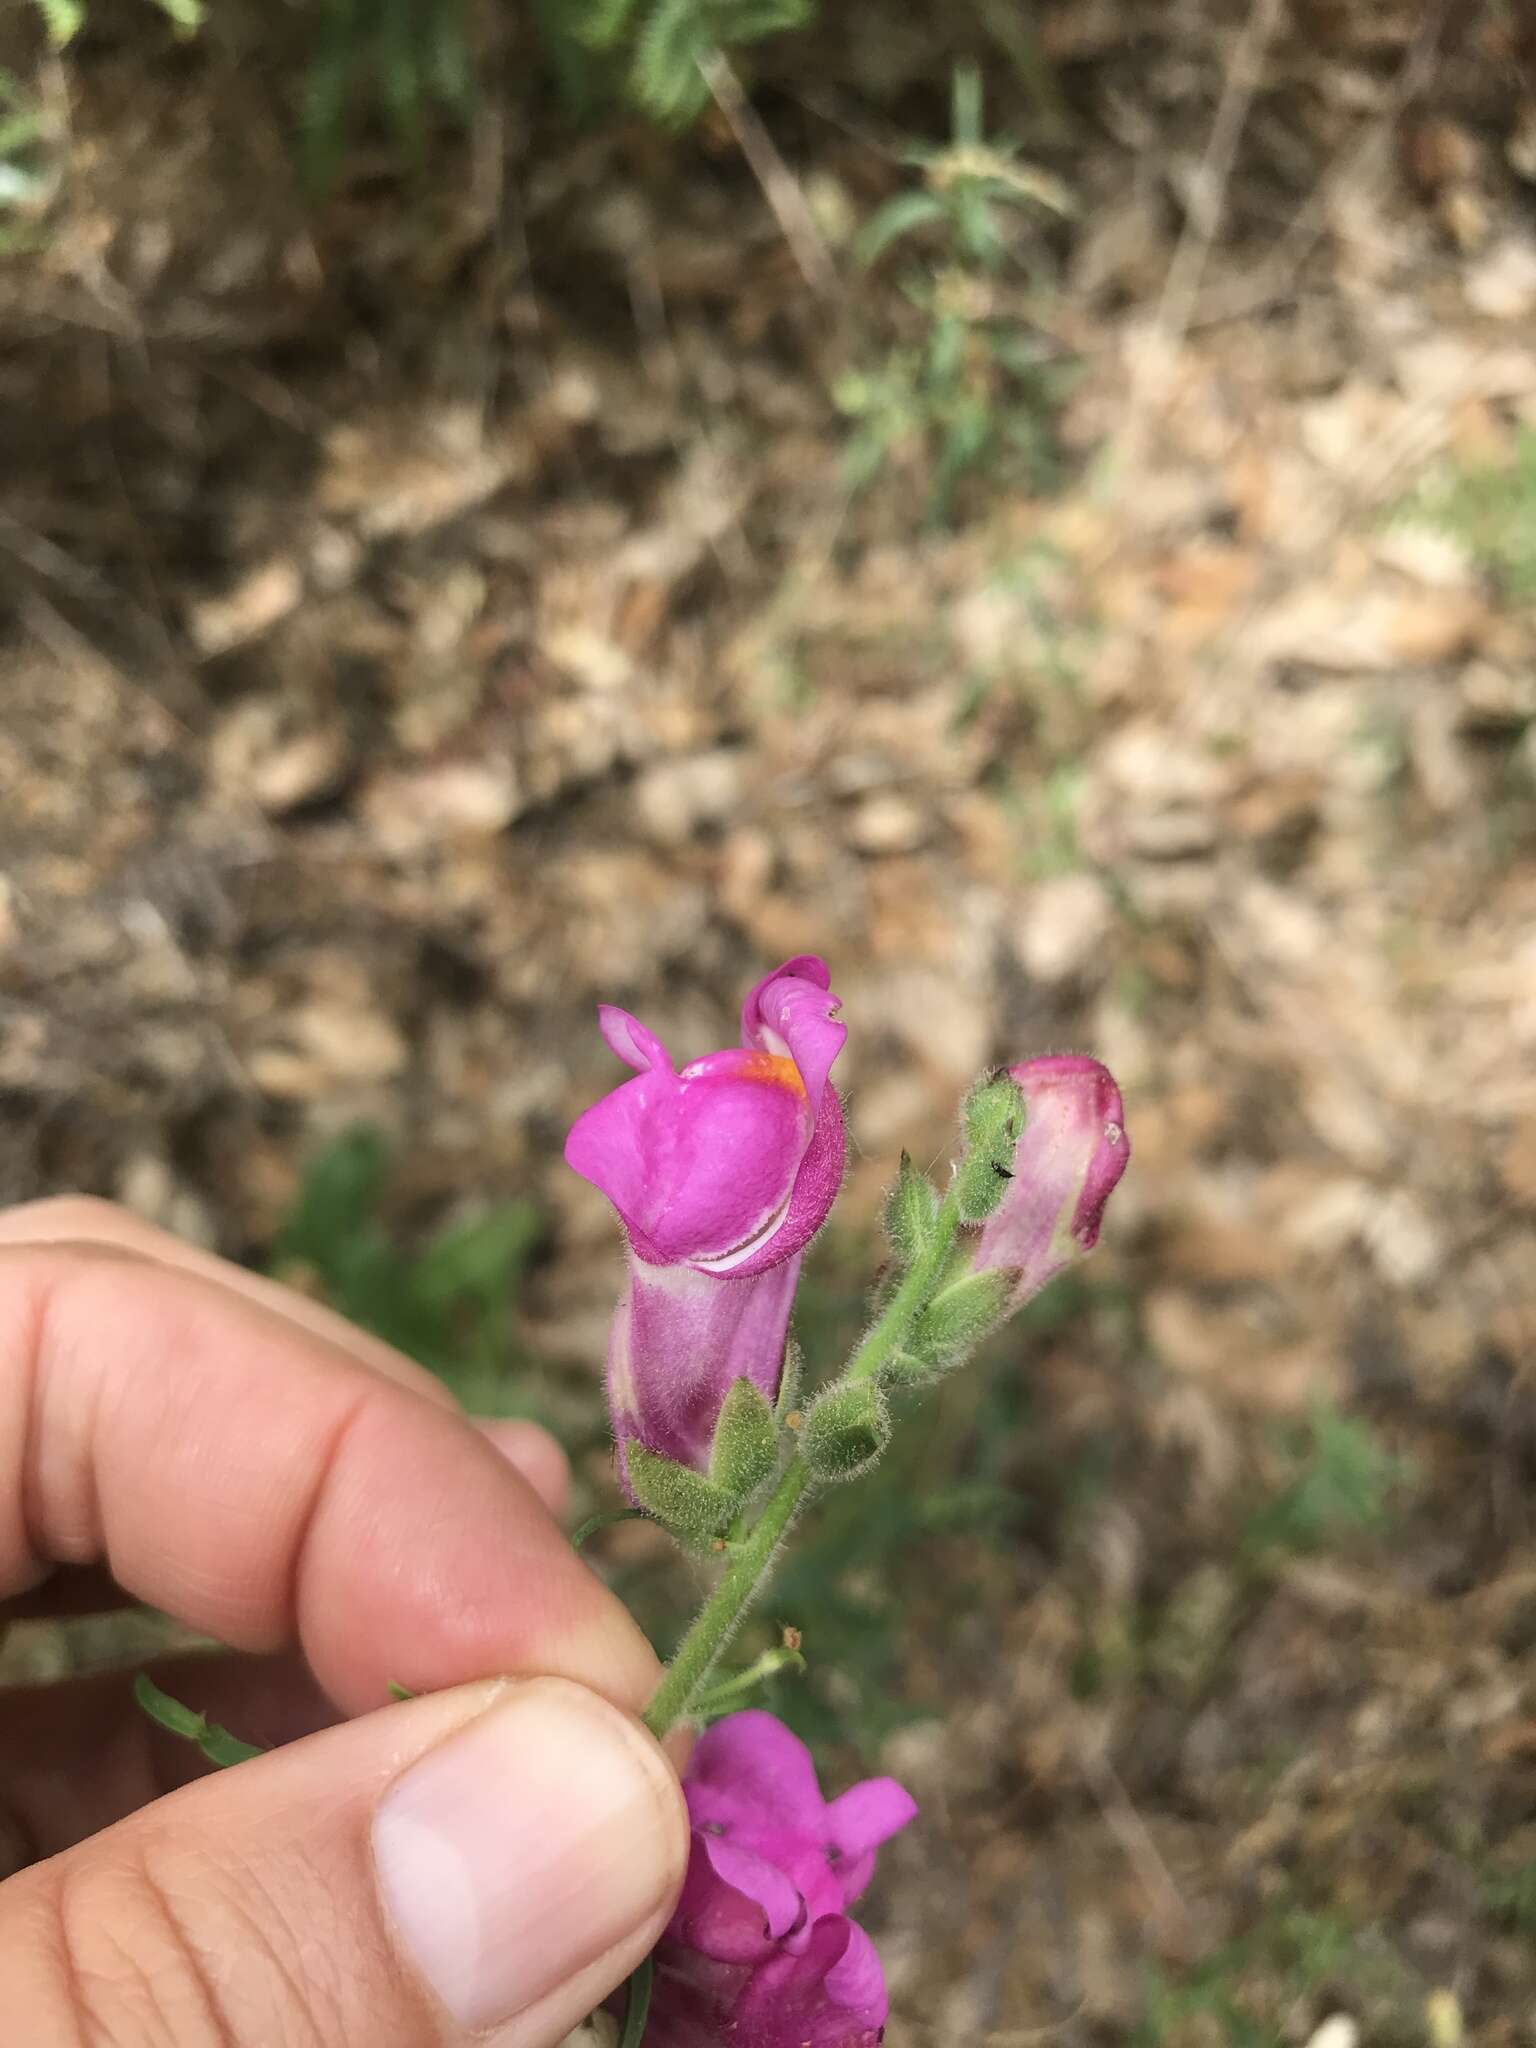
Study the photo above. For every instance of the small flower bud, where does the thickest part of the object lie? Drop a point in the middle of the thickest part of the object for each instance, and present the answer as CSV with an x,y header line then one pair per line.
x,y
1065,1167
846,1429
911,1212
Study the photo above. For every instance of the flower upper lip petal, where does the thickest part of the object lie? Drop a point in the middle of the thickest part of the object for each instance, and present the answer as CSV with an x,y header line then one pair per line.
x,y
628,1037
793,1012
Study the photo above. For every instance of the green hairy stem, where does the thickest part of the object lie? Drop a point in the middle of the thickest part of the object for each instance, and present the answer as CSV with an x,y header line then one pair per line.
x,y
752,1556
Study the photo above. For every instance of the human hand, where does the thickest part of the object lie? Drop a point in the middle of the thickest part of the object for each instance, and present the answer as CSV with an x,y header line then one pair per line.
x,y
488,1860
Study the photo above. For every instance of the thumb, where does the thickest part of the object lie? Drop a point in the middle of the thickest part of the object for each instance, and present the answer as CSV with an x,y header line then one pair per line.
x,y
490,1861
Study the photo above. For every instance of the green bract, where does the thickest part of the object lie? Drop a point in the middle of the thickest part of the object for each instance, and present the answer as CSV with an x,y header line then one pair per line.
x,y
911,1213
954,1323
683,1500
746,1446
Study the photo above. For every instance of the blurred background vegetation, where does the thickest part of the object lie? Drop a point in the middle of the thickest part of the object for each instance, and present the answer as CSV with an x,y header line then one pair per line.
x,y
1034,499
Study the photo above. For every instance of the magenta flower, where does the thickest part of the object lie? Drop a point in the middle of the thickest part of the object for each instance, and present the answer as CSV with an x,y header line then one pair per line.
x,y
760,1952
722,1173
1068,1164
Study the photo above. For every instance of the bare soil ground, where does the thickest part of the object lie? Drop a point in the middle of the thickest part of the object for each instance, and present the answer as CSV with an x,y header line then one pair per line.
x,y
435,612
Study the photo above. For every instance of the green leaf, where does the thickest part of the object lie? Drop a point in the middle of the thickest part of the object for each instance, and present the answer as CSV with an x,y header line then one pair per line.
x,y
342,1189
62,19
890,223
187,15
397,1691
976,228
681,1499
217,1744
845,1431
481,1257
665,78
911,1213
946,350
17,132
966,102
746,1445
600,24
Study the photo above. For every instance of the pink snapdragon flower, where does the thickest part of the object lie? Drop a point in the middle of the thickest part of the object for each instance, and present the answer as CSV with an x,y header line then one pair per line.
x,y
761,1952
1067,1165
722,1172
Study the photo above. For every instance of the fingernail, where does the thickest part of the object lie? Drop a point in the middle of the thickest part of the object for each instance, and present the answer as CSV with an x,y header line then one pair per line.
x,y
525,1846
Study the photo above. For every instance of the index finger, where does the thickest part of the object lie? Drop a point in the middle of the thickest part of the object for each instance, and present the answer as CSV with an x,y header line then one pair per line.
x,y
264,1485
87,1220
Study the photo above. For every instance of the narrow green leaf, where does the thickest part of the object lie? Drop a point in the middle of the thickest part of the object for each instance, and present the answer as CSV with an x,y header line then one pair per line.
x,y
595,1523
637,2005
965,94
217,1744
891,223
911,1213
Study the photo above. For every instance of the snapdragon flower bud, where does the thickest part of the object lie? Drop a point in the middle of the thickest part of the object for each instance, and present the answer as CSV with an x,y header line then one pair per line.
x,y
1067,1164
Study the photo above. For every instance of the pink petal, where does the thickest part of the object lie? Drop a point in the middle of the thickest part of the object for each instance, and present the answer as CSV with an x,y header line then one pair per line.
x,y
791,2003
868,1814
727,1923
1068,1164
628,1037
856,1980
815,1190
754,1878
791,1012
697,1164
763,1769
679,1340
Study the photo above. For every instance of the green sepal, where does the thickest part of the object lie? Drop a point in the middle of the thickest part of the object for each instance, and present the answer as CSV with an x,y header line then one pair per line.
x,y
911,1213
993,1117
681,1499
846,1429
789,1381
954,1323
746,1446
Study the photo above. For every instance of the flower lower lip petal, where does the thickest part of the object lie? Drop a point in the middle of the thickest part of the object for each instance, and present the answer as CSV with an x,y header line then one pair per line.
x,y
722,1262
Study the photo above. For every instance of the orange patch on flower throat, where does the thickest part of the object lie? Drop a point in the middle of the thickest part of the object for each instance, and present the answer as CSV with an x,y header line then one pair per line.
x,y
773,1068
